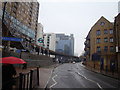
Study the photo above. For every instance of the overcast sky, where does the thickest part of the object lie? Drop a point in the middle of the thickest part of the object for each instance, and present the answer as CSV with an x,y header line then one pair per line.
x,y
75,17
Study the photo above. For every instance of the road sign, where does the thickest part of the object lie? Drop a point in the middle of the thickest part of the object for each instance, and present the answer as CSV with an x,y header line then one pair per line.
x,y
12,39
40,40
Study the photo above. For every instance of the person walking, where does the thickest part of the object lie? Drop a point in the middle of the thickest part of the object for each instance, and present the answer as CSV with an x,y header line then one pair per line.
x,y
8,73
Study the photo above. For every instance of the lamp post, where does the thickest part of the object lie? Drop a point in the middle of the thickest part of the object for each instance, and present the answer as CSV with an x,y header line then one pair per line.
x,y
7,44
3,12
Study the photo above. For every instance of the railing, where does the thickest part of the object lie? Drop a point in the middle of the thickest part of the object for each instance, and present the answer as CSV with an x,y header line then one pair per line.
x,y
25,81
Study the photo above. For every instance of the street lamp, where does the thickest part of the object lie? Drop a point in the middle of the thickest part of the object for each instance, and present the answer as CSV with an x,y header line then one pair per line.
x,y
3,12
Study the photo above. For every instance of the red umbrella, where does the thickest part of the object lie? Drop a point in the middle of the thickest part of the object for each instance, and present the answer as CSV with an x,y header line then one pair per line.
x,y
12,60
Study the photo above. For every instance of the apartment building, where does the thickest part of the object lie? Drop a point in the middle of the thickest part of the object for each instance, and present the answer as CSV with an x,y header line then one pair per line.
x,y
20,22
49,41
87,48
100,46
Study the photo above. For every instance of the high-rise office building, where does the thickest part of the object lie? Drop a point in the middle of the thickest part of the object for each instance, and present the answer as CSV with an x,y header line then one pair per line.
x,y
65,44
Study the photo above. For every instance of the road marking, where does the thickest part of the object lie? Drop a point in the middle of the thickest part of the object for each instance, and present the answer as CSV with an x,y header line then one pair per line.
x,y
90,80
53,78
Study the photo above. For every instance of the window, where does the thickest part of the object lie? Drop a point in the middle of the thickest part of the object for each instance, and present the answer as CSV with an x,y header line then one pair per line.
x,y
98,40
102,23
111,49
98,32
105,39
98,49
105,31
111,39
106,48
111,31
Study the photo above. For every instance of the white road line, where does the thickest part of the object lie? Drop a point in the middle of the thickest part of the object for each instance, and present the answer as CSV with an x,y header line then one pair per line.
x,y
53,78
90,80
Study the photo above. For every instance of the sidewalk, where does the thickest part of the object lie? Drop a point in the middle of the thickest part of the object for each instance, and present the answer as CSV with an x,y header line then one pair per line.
x,y
45,74
109,74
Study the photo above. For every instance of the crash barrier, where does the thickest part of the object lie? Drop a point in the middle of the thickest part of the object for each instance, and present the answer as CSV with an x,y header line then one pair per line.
x,y
25,81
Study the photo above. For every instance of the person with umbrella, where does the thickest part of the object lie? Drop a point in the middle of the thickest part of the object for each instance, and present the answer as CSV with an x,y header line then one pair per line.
x,y
8,71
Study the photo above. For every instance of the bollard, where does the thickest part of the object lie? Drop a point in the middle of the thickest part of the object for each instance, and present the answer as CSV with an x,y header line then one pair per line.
x,y
20,81
31,77
23,81
38,76
27,81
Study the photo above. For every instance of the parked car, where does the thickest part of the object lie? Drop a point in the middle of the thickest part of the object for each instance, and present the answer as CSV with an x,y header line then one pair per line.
x,y
73,62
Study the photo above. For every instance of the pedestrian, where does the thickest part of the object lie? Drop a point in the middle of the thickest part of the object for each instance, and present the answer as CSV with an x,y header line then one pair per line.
x,y
8,73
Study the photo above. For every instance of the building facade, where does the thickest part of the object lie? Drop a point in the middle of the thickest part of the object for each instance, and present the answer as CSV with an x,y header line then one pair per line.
x,y
100,45
87,48
49,41
20,21
39,39
65,44
117,39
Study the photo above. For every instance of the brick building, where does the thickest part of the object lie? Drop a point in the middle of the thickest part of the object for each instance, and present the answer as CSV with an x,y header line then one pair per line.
x,y
100,45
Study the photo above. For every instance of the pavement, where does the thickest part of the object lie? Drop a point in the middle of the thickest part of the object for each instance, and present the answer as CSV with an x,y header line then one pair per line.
x,y
45,73
109,74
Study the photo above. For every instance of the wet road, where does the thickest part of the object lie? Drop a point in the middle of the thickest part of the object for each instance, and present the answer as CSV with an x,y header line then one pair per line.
x,y
76,76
